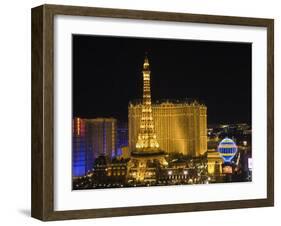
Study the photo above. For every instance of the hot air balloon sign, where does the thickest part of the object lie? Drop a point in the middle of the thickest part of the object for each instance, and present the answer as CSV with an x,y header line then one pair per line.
x,y
227,149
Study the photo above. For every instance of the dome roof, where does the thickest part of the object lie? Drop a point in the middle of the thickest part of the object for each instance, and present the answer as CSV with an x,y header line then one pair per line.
x,y
227,149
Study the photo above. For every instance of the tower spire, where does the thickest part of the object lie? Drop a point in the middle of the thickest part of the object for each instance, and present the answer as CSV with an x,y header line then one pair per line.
x,y
146,63
147,137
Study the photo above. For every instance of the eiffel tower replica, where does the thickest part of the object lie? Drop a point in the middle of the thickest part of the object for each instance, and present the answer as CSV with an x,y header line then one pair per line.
x,y
147,153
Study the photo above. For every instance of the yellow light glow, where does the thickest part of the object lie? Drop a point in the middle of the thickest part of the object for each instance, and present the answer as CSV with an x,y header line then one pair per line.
x,y
78,126
147,135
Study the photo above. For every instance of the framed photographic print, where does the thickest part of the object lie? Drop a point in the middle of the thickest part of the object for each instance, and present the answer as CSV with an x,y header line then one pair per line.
x,y
141,112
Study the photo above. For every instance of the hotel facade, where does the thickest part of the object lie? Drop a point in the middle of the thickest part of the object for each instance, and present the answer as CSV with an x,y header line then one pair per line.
x,y
180,126
92,138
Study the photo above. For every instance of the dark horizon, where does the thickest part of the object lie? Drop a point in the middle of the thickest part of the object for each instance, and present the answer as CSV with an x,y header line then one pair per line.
x,y
107,75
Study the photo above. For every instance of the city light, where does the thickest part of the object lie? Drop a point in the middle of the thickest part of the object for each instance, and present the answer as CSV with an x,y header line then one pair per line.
x,y
165,142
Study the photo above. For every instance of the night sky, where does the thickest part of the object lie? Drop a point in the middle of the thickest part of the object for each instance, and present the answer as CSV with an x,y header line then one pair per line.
x,y
107,74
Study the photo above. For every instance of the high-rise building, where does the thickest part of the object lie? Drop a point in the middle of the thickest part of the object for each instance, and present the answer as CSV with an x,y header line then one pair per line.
x,y
180,126
91,139
122,136
101,134
80,151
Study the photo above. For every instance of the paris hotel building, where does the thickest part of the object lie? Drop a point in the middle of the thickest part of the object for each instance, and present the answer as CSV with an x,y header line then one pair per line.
x,y
180,126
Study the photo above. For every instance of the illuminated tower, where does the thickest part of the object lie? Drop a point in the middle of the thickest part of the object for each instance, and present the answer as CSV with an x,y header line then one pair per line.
x,y
147,136
146,156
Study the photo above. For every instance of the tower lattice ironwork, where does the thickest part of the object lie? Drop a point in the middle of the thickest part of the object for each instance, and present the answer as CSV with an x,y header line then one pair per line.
x,y
147,140
147,157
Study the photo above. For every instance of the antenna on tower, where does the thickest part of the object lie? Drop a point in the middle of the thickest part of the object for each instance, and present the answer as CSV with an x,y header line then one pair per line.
x,y
146,62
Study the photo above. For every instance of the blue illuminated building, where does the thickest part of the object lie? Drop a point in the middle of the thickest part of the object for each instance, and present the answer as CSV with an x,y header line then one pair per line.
x,y
79,148
91,138
122,136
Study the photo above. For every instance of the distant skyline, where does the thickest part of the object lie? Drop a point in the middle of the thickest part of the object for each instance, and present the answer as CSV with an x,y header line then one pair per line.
x,y
107,74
